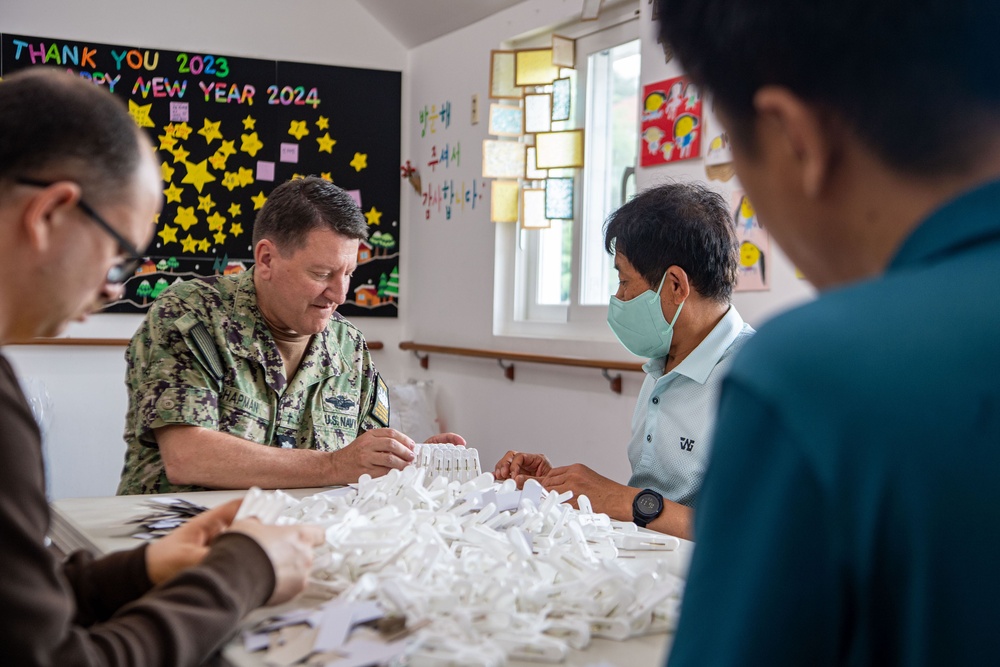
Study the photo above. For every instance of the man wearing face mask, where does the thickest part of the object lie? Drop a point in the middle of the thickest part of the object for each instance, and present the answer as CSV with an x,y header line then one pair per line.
x,y
675,251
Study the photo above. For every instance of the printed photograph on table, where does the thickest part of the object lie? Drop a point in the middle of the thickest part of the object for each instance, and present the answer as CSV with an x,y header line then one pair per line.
x,y
754,246
228,130
671,122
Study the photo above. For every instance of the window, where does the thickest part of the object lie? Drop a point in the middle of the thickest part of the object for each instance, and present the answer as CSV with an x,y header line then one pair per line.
x,y
561,277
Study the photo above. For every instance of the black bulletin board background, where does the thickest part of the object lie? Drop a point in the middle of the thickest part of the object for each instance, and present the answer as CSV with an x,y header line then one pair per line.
x,y
359,109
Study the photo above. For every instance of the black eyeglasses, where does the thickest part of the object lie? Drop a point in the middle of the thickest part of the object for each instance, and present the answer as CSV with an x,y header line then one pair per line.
x,y
125,269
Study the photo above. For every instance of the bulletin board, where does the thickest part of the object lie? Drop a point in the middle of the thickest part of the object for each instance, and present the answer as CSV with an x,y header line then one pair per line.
x,y
228,130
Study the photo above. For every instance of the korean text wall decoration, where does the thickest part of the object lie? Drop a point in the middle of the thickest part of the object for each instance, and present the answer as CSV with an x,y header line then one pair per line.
x,y
447,192
228,130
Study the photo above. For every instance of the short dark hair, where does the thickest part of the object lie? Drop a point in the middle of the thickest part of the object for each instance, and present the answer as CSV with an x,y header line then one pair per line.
x,y
678,224
917,80
55,126
296,207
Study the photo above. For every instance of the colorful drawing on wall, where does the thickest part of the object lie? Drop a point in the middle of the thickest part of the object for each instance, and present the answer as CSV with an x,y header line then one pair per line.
x,y
718,152
671,122
228,130
755,249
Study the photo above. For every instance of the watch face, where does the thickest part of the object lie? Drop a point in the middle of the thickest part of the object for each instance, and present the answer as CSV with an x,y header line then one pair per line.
x,y
647,504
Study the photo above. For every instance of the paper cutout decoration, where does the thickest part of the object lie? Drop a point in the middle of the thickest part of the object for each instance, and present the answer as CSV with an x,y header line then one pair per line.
x,y
559,198
671,122
559,150
503,159
754,246
533,209
563,51
533,67
504,198
591,10
561,95
502,76
506,121
718,153
531,171
537,112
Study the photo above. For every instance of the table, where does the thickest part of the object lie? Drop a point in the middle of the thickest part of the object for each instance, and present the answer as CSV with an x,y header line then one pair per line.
x,y
100,525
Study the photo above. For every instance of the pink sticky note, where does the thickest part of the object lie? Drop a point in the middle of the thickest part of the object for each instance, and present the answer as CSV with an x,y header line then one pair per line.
x,y
289,152
356,196
178,112
265,171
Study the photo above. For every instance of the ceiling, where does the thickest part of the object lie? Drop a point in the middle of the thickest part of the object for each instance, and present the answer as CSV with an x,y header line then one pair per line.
x,y
414,22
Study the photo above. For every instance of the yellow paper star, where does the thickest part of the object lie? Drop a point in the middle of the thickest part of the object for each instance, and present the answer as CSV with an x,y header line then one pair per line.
x,y
204,245
235,209
185,217
231,180
156,218
169,129
220,237
251,144
173,193
236,229
140,114
326,176
249,122
227,148
197,174
326,143
298,129
166,171
182,131
211,131
189,244
245,176
323,123
296,177
180,154
374,216
258,200
168,234
167,142
218,161
215,222
360,161
205,203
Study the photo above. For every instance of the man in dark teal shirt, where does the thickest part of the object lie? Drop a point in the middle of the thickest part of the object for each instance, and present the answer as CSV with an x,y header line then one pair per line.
x,y
851,510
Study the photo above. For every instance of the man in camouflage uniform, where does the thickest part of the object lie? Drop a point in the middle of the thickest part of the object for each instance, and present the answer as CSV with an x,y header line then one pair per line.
x,y
222,366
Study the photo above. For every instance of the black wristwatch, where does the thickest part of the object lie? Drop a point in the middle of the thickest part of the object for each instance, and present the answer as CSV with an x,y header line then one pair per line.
x,y
646,507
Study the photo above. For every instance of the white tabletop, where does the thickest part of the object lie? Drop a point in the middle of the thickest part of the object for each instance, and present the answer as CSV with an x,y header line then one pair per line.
x,y
100,525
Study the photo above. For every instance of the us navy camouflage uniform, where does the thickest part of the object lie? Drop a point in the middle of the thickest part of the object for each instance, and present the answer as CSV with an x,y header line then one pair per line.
x,y
204,357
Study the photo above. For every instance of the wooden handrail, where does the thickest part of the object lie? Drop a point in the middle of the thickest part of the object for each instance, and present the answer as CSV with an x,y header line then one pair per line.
x,y
123,342
604,364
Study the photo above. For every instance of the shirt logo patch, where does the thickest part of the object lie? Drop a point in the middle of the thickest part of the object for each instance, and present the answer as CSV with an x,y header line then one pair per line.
x,y
687,444
341,402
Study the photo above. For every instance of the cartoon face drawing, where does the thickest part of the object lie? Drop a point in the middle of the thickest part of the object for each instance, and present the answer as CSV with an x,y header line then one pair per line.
x,y
653,136
685,132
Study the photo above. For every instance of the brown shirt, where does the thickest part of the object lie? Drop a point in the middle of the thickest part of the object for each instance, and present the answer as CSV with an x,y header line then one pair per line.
x,y
103,611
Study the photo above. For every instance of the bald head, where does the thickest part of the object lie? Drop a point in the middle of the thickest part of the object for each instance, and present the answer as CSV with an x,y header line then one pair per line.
x,y
56,126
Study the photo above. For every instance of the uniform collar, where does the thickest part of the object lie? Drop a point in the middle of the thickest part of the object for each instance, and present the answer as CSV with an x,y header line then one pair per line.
x,y
699,364
965,221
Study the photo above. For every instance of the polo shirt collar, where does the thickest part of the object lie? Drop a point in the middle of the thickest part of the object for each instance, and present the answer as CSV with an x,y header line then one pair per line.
x,y
964,221
699,364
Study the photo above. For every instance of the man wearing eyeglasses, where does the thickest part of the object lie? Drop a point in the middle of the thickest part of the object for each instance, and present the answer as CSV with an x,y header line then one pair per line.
x,y
67,150
254,379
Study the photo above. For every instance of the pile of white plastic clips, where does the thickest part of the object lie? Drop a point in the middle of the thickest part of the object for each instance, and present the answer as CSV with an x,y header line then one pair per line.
x,y
486,572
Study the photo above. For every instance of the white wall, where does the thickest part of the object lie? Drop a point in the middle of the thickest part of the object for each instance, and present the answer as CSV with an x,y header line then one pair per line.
x,y
447,266
86,385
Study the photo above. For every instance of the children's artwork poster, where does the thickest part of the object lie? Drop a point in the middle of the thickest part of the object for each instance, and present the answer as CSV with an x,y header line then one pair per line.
x,y
228,130
447,192
671,122
718,151
755,250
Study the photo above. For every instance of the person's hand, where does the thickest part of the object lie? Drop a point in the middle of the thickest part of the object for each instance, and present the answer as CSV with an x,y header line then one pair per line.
x,y
374,452
187,545
290,550
606,496
446,439
519,466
